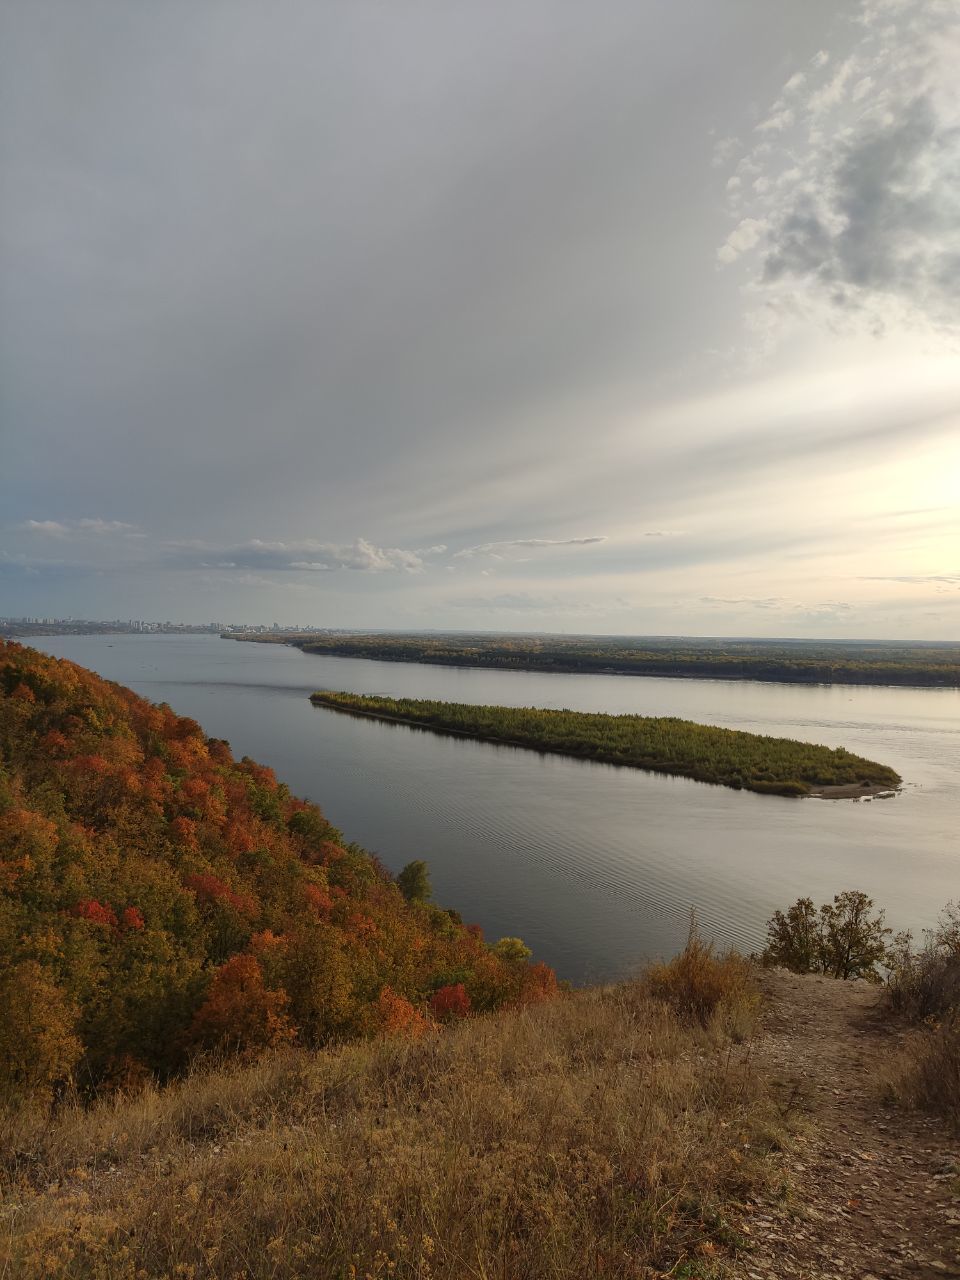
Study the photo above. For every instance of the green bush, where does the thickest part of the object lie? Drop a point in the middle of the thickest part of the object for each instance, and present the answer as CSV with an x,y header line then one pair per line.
x,y
843,938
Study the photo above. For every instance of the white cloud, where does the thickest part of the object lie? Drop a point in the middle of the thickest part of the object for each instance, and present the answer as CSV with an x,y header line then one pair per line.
x,y
724,150
780,118
316,557
53,528
498,548
742,239
68,528
105,526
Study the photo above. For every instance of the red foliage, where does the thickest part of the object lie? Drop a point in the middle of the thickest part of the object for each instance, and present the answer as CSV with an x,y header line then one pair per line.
x,y
210,888
132,918
361,925
450,1002
259,773
85,766
194,791
318,900
239,837
265,941
54,742
219,751
329,852
151,804
96,912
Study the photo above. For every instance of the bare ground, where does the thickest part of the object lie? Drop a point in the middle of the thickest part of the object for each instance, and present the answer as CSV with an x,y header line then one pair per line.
x,y
877,1189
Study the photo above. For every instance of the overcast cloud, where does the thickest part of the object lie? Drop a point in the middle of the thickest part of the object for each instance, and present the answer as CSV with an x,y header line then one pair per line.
x,y
536,314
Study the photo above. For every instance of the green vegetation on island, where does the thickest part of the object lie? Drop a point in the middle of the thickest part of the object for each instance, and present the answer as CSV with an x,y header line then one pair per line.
x,y
781,661
728,757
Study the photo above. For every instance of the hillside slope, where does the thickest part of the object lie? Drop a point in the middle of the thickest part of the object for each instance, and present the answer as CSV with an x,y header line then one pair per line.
x,y
593,1136
159,898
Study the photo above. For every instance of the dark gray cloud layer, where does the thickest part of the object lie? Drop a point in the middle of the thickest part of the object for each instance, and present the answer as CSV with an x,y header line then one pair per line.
x,y
854,185
342,308
895,206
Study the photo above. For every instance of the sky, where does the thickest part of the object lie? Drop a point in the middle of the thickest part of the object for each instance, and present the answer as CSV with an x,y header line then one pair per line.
x,y
514,315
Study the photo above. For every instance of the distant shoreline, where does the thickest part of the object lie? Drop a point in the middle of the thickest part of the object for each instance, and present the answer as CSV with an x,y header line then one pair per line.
x,y
766,663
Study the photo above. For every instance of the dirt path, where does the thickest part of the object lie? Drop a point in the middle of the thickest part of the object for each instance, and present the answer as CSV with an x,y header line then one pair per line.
x,y
880,1187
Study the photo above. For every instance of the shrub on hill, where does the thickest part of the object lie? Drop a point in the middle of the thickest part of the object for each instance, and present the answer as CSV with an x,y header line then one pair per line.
x,y
159,899
843,939
924,986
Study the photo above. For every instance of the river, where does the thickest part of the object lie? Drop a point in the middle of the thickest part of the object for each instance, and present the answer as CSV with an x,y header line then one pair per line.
x,y
596,867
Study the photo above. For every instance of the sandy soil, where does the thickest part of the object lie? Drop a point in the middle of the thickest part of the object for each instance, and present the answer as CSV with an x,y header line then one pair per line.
x,y
851,791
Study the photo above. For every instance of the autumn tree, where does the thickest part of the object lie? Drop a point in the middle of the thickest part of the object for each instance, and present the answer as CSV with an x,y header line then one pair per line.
x,y
241,1012
844,938
414,881
38,1047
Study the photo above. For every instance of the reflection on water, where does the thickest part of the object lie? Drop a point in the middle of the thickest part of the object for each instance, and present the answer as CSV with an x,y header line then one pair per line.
x,y
595,866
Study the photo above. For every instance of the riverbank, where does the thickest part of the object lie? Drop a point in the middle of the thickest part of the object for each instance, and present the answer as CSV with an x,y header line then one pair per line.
x,y
682,748
917,665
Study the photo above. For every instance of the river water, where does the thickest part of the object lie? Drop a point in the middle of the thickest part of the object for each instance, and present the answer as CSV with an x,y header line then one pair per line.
x,y
596,867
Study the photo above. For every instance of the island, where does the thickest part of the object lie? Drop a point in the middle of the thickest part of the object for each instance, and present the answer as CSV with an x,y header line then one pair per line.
x,y
659,744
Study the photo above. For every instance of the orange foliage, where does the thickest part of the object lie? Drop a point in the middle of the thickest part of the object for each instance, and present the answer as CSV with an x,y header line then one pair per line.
x,y
106,799
539,983
240,1012
360,924
54,742
184,832
398,1017
318,900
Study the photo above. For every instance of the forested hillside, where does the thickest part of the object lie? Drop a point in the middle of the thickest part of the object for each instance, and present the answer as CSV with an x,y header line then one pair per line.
x,y
159,899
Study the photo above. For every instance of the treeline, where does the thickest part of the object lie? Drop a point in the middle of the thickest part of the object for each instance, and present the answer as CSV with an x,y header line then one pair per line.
x,y
729,757
159,899
790,662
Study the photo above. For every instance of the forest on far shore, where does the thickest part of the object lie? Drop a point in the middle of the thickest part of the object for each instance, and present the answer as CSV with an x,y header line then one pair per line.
x,y
879,662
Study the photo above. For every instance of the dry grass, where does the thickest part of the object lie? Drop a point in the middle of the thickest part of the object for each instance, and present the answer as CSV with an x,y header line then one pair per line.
x,y
707,987
926,1073
924,987
598,1135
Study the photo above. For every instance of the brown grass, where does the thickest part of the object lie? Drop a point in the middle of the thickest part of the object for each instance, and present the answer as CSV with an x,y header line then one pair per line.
x,y
597,1135
926,1073
923,987
706,987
